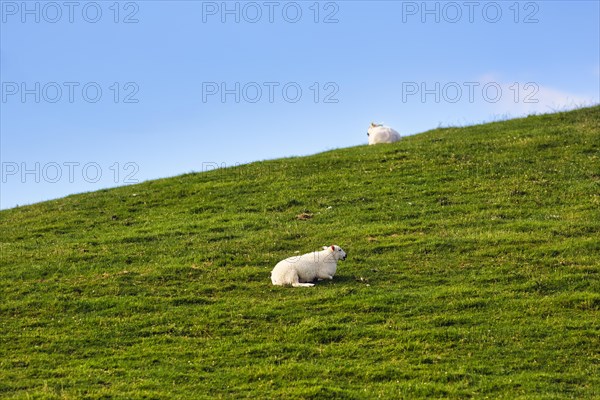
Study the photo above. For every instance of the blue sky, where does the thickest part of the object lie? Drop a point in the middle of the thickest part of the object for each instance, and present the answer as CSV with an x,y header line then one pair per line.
x,y
102,94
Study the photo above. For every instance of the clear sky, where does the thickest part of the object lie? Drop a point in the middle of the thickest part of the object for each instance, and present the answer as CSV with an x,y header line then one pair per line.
x,y
106,93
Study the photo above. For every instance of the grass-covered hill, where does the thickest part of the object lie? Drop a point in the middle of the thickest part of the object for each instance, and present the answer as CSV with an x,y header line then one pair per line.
x,y
472,272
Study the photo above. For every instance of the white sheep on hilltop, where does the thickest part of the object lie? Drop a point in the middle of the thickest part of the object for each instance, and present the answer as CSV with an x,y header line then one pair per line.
x,y
299,270
382,134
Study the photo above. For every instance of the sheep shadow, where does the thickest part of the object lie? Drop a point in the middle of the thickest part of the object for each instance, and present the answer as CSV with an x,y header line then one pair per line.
x,y
340,280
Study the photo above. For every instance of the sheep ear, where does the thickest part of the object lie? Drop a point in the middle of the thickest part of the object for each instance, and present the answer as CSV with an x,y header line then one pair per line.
x,y
332,248
373,124
325,247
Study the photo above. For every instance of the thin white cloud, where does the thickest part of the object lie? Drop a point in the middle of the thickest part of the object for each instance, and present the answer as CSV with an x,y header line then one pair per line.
x,y
518,98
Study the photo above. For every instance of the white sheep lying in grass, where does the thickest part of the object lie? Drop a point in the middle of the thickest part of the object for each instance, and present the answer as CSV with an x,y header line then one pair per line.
x,y
299,270
378,133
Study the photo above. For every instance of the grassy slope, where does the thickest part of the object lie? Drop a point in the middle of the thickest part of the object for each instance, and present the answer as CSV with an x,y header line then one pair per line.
x,y
472,271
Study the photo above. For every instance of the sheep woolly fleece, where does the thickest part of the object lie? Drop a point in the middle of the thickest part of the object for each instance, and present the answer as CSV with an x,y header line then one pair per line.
x,y
299,270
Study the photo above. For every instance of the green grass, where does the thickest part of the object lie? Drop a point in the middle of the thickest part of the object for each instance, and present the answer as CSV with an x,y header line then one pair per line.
x,y
472,272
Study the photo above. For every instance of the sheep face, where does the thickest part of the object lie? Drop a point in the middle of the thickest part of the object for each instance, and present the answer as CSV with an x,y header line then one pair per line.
x,y
371,128
336,252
